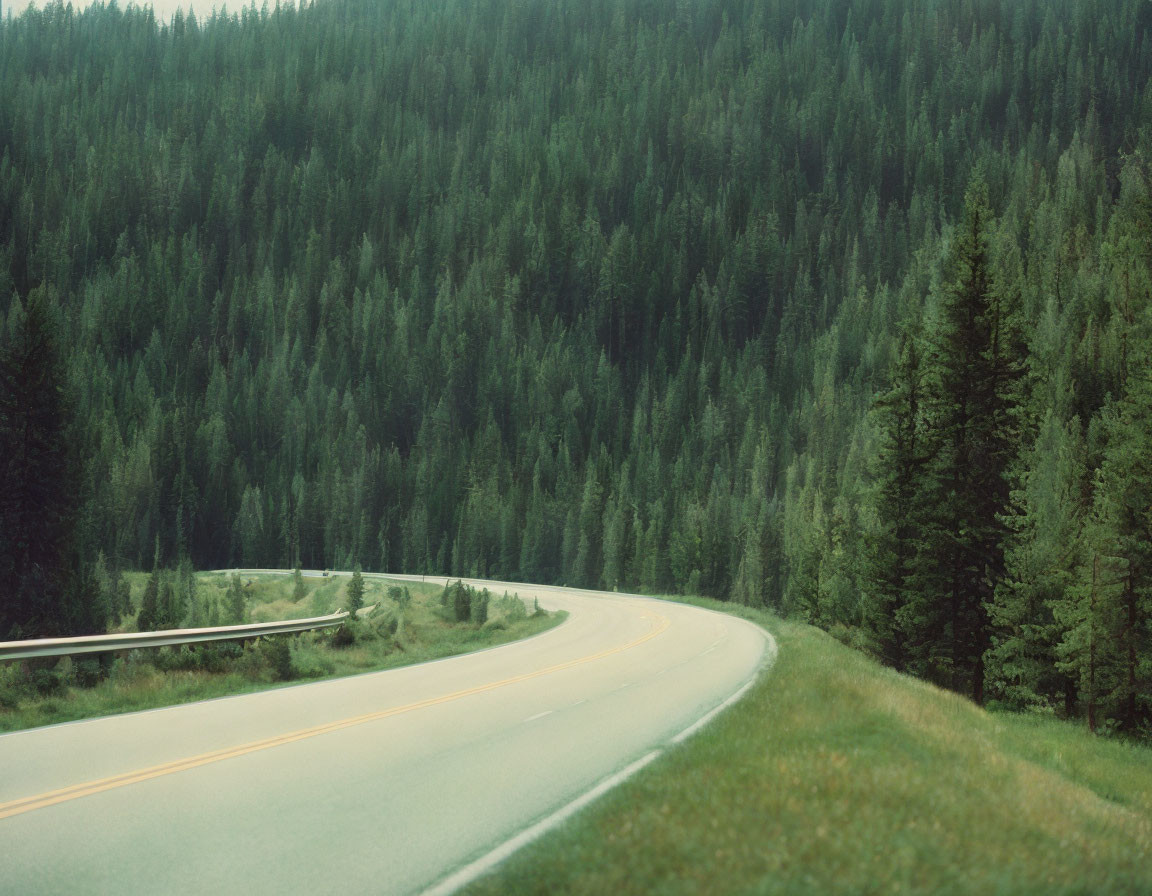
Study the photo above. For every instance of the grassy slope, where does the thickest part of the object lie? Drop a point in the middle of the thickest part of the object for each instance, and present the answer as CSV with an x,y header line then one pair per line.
x,y
835,775
134,683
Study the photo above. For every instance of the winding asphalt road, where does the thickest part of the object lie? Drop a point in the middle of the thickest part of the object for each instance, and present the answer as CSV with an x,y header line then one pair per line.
x,y
382,783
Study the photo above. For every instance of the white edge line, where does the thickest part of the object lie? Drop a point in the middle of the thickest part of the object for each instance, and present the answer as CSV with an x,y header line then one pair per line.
x,y
770,650
711,714
490,860
487,862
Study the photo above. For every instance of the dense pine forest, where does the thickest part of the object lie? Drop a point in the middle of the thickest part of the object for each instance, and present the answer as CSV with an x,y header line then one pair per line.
x,y
838,307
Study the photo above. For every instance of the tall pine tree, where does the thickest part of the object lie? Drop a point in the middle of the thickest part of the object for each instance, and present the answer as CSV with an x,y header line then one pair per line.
x,y
1122,544
1044,549
46,591
892,611
978,356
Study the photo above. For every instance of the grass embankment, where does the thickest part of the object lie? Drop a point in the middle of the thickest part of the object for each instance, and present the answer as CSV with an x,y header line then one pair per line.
x,y
394,633
835,775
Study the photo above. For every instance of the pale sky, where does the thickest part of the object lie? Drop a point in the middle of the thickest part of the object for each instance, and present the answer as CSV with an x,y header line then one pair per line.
x,y
163,8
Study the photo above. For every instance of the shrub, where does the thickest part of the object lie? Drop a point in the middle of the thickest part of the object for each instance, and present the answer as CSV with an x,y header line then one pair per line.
x,y
456,598
401,596
88,671
385,623
251,663
511,607
310,663
237,600
12,683
355,591
64,670
178,658
344,635
278,656
129,668
479,606
46,682
219,656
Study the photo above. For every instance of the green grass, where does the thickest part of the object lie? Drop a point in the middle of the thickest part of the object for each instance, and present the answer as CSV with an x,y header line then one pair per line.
x,y
388,637
835,775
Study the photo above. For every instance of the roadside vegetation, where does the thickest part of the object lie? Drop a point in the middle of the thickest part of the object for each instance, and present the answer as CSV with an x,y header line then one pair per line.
x,y
837,775
398,624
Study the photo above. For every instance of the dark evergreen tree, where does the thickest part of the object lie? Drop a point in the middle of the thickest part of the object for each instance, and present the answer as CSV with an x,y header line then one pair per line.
x,y
39,482
166,613
237,601
457,601
1121,546
149,616
978,360
1044,550
355,591
186,607
278,654
478,611
121,593
894,572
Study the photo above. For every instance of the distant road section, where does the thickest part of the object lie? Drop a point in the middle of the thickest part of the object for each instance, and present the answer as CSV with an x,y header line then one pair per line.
x,y
382,783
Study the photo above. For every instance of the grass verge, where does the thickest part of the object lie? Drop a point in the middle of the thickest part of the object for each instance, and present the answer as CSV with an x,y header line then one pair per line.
x,y
409,626
836,775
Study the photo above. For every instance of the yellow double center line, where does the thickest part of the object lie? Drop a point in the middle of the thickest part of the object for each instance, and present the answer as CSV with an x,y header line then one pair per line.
x,y
89,788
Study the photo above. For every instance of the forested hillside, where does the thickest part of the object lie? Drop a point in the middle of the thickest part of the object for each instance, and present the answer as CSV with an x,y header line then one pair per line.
x,y
840,307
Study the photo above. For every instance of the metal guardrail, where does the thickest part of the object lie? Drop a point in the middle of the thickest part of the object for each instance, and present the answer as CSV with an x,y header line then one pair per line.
x,y
20,650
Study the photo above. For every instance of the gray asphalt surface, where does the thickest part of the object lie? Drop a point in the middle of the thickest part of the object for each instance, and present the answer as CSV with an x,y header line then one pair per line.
x,y
381,783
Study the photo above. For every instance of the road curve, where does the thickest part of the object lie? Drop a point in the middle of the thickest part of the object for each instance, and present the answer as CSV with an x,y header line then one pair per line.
x,y
382,783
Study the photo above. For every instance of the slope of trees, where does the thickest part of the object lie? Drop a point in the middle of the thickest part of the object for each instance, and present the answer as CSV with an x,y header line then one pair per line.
x,y
605,293
943,484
